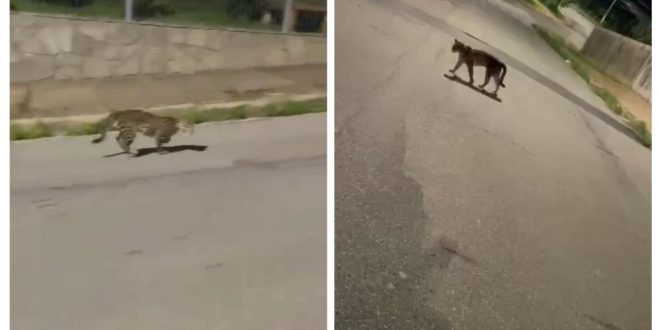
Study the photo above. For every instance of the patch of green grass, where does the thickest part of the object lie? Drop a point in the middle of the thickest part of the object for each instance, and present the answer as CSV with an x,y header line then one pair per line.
x,y
32,131
194,116
296,108
82,129
550,5
642,131
202,116
583,68
567,51
610,100
99,9
242,112
534,4
237,113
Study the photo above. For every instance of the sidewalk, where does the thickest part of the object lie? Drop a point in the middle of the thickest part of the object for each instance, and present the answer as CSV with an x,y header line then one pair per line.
x,y
51,98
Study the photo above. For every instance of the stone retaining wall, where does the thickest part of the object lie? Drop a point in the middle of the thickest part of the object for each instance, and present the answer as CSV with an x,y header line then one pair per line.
x,y
46,47
624,58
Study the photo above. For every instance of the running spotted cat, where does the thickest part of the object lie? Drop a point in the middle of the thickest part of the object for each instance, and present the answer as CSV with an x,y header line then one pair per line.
x,y
471,57
130,122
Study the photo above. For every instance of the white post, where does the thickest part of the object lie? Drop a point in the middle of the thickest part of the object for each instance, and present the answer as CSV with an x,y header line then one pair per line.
x,y
607,12
128,10
288,12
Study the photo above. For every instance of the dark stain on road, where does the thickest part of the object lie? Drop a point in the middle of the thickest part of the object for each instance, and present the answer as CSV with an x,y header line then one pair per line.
x,y
378,235
451,246
43,203
215,265
381,267
133,252
604,324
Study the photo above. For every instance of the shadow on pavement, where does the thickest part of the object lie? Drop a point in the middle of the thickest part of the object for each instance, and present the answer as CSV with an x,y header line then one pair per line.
x,y
146,151
472,87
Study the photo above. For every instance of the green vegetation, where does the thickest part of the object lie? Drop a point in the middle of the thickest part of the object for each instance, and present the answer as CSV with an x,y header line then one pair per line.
x,y
82,129
195,116
622,19
534,4
234,13
642,131
610,100
553,6
583,67
185,12
32,131
295,108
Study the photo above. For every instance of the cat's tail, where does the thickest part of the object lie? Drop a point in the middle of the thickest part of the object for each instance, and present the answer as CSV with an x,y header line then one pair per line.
x,y
503,74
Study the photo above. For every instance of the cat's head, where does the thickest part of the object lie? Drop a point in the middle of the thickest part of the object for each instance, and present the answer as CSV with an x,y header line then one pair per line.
x,y
457,46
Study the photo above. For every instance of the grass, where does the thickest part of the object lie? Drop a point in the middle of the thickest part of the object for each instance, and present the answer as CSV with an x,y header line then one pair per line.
x,y
534,4
82,129
610,100
198,12
32,131
295,108
194,116
642,131
583,67
540,5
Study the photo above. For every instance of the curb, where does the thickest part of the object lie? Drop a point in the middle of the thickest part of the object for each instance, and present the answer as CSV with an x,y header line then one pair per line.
x,y
260,102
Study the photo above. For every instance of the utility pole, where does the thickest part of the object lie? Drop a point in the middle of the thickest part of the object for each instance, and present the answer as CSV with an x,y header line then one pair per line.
x,y
128,10
288,12
607,12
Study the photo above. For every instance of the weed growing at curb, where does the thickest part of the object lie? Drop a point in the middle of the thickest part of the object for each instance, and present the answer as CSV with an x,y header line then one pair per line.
x,y
32,131
583,67
82,129
194,116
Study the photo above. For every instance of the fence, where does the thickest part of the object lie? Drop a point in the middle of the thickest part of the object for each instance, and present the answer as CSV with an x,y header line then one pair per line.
x,y
273,15
66,48
624,58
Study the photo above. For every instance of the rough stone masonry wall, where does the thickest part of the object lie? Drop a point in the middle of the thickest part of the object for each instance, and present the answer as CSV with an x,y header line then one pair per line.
x,y
65,48
624,58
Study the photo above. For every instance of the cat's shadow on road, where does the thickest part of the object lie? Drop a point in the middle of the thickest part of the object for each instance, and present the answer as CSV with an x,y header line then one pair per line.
x,y
147,151
473,87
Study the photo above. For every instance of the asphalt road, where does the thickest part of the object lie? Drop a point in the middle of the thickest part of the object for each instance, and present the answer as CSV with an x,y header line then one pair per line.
x,y
458,211
233,237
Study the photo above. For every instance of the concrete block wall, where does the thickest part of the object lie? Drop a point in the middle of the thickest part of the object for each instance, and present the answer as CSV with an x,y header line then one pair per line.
x,y
642,85
46,47
624,58
578,21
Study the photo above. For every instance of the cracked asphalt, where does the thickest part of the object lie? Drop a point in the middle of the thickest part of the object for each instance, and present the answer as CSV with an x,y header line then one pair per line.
x,y
233,237
455,211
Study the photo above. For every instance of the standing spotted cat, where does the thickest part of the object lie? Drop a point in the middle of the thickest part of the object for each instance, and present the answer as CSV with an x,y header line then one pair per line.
x,y
130,122
471,57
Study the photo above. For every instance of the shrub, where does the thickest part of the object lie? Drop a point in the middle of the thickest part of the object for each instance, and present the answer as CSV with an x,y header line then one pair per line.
x,y
72,3
152,8
250,9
